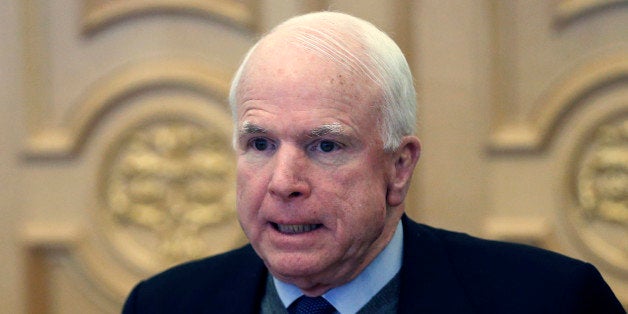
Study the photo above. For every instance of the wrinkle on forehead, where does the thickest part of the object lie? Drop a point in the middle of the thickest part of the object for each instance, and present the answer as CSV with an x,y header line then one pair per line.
x,y
282,69
330,45
341,47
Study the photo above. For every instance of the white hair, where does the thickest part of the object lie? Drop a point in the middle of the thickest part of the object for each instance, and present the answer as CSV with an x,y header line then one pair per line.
x,y
361,49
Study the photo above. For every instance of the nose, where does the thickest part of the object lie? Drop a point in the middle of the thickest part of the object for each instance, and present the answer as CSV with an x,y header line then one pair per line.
x,y
289,177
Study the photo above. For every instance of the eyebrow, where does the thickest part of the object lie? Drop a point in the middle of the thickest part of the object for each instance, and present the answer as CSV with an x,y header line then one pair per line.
x,y
327,129
250,128
322,130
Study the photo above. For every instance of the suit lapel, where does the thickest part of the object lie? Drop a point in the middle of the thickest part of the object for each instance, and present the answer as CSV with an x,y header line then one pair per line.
x,y
428,283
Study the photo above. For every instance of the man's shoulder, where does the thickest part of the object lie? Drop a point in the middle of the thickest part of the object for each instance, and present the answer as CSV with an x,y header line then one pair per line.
x,y
475,251
497,276
195,286
480,259
218,267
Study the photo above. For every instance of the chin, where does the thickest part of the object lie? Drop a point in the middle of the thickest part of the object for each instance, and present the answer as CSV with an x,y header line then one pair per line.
x,y
291,268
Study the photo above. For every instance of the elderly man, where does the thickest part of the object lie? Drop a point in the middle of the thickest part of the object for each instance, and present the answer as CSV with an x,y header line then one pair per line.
x,y
324,110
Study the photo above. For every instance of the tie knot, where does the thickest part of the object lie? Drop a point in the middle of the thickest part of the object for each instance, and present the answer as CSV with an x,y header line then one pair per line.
x,y
308,305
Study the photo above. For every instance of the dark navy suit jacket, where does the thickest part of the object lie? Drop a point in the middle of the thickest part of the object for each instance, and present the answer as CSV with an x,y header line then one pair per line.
x,y
442,272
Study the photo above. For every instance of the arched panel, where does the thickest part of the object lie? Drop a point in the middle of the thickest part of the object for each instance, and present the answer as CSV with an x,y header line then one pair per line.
x,y
185,74
562,98
100,14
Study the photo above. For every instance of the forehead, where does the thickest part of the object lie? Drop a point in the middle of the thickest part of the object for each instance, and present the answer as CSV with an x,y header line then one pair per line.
x,y
280,65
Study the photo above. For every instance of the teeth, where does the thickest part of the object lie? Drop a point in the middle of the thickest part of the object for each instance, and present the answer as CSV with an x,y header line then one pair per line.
x,y
294,229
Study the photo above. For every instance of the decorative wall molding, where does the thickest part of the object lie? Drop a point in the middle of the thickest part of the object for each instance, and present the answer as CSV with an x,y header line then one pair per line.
x,y
99,14
535,231
83,254
65,141
54,247
46,139
37,63
569,10
563,97
98,261
112,245
39,241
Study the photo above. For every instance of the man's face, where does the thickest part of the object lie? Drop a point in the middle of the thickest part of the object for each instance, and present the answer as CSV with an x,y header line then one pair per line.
x,y
312,175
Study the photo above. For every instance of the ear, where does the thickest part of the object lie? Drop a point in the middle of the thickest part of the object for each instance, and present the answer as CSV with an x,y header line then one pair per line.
x,y
405,159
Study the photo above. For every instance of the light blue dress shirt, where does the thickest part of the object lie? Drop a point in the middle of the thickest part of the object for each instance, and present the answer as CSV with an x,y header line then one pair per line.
x,y
352,296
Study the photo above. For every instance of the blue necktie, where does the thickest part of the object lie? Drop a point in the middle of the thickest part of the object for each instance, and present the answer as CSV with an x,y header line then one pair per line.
x,y
308,305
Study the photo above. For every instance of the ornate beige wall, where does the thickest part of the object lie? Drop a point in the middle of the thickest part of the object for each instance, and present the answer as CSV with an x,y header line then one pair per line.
x,y
115,159
524,124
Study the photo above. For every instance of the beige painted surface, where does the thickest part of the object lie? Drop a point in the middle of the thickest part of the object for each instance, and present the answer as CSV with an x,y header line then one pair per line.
x,y
513,95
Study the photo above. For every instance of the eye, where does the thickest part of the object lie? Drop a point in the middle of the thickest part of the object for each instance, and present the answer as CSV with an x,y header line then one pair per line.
x,y
260,144
326,146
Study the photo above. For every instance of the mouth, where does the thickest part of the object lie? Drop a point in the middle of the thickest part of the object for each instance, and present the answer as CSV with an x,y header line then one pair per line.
x,y
295,229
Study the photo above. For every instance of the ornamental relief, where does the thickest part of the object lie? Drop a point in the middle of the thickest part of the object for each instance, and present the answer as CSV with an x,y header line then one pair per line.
x,y
603,176
169,185
601,192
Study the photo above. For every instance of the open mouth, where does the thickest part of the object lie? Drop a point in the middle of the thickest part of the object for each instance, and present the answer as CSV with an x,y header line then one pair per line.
x,y
295,229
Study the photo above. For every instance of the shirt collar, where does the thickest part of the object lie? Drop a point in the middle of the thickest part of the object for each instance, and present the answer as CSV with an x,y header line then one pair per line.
x,y
352,296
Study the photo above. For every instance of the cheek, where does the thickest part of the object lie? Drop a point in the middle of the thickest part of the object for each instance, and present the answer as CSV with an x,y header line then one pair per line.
x,y
366,180
250,189
361,197
248,198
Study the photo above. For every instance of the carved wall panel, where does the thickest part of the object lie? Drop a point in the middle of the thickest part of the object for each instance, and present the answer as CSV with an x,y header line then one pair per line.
x,y
165,189
557,148
150,137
